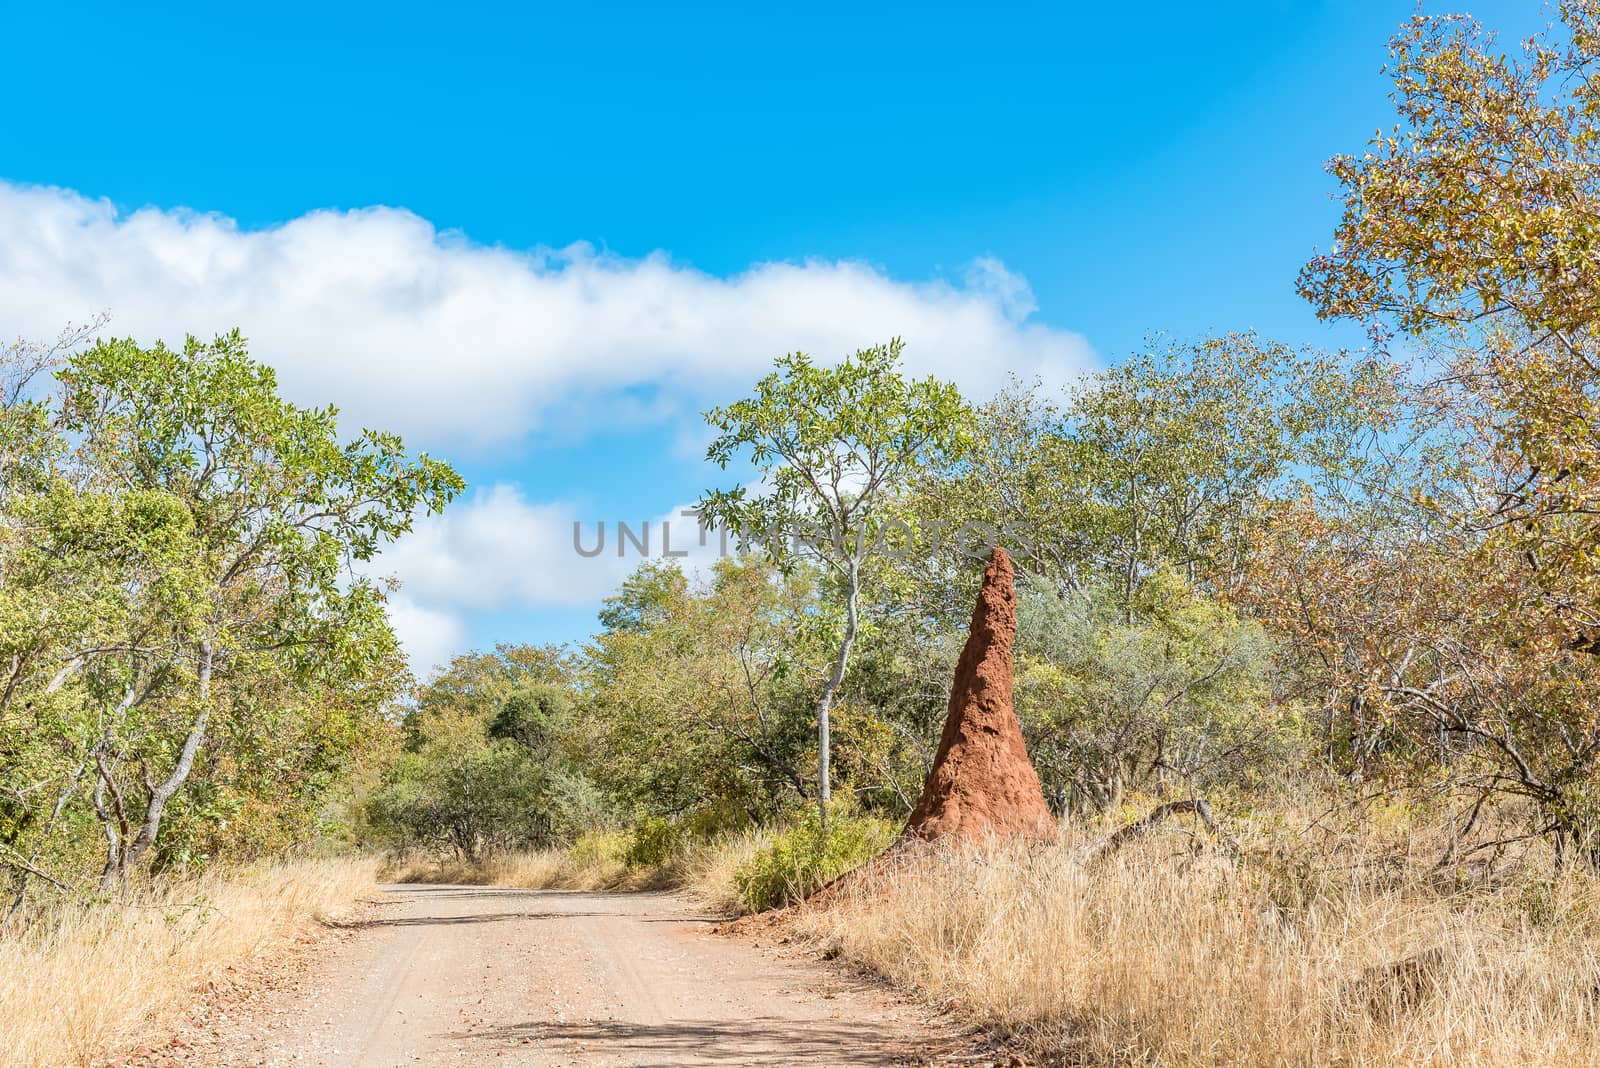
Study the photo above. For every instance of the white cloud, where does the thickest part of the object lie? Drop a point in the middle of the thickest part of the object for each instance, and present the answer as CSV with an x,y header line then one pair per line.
x,y
492,550
429,636
432,335
496,550
447,341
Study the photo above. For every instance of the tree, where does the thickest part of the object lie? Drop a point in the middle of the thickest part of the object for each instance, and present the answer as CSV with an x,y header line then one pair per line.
x,y
533,717
833,449
645,599
1158,461
471,690
1472,229
1468,627
245,516
1416,632
477,781
1179,695
472,799
28,439
694,697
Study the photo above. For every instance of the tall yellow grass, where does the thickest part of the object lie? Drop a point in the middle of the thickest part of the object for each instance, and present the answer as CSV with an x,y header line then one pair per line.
x,y
593,863
86,981
1154,959
704,870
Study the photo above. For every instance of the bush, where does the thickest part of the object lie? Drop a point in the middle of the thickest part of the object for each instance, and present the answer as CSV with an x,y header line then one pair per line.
x,y
477,800
598,849
1173,688
533,718
799,861
653,841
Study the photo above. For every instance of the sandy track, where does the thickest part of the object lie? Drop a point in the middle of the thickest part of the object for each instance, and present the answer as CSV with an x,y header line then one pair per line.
x,y
460,975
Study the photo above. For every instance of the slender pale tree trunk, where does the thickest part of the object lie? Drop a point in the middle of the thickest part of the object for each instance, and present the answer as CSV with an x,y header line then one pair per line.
x,y
831,689
120,863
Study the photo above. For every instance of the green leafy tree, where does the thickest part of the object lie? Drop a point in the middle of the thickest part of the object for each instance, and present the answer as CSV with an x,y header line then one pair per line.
x,y
834,448
1179,697
695,700
533,717
222,527
1161,460
471,690
473,799
492,758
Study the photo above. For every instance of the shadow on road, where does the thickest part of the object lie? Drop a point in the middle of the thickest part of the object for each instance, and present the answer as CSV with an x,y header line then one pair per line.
x,y
431,921
438,890
759,1040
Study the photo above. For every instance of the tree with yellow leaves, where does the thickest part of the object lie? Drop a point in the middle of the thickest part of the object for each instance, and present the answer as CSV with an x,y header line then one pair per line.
x,y
1455,605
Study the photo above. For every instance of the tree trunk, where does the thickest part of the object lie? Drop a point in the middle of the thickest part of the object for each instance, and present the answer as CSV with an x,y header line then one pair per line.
x,y
120,864
831,688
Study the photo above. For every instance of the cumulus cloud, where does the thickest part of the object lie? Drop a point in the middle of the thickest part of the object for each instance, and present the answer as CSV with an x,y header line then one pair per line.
x,y
429,636
431,334
498,550
449,341
493,550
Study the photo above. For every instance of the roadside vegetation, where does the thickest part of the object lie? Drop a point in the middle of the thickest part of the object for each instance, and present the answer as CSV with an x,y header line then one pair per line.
x,y
1349,953
195,673
90,979
1336,614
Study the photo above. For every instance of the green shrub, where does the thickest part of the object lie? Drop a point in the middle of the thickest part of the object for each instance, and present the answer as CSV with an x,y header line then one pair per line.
x,y
597,849
654,840
799,861
475,800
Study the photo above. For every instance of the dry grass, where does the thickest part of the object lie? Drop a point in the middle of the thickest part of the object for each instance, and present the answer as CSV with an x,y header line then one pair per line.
x,y
705,871
710,873
593,863
1157,959
89,980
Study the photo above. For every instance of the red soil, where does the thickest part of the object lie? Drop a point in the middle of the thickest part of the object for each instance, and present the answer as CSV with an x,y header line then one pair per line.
x,y
982,783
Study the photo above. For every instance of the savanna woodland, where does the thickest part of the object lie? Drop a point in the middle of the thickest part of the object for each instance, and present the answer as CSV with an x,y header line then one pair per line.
x,y
1350,600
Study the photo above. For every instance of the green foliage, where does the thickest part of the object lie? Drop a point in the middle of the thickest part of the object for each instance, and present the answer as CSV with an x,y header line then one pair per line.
x,y
799,861
533,717
653,842
645,599
1175,694
472,689
835,448
1162,459
194,654
472,801
833,444
598,849
489,765
696,710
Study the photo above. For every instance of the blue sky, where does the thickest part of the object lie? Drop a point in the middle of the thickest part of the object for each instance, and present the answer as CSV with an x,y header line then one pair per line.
x,y
604,222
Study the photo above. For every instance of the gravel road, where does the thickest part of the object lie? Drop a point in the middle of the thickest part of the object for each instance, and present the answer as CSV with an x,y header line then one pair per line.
x,y
464,975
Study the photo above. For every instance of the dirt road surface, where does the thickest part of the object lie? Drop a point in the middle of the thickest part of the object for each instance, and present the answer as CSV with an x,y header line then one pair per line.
x,y
464,975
